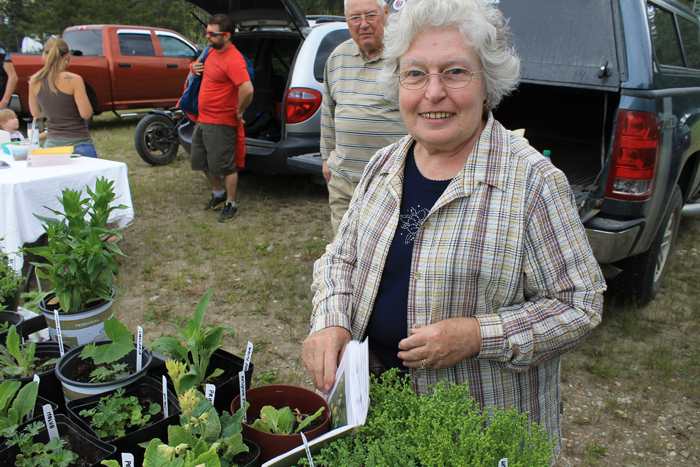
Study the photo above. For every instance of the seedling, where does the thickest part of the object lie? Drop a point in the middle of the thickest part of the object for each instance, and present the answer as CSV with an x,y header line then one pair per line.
x,y
18,361
14,409
115,414
39,454
283,421
105,356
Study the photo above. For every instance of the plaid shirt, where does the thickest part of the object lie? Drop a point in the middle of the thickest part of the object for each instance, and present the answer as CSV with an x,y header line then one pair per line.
x,y
504,244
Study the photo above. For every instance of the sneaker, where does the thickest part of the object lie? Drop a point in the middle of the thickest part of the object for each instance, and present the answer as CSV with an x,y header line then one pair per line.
x,y
215,201
228,211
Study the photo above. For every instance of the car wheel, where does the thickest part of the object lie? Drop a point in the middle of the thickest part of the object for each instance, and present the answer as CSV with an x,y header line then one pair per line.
x,y
155,140
643,274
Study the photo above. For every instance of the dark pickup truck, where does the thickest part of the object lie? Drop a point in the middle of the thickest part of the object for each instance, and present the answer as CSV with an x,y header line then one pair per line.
x,y
612,89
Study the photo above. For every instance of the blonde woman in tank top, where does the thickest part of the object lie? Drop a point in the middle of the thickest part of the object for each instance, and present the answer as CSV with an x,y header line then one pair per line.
x,y
60,96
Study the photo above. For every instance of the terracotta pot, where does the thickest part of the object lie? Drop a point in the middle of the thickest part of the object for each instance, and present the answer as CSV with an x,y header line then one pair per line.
x,y
279,396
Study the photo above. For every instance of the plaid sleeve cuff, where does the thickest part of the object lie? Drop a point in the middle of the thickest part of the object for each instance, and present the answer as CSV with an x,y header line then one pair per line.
x,y
329,320
492,338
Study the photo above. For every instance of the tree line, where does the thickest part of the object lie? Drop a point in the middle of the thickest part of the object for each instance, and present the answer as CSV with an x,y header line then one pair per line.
x,y
40,19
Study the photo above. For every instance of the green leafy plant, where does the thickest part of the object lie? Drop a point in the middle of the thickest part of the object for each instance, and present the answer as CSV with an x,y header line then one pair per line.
x,y
13,408
10,281
80,265
3,326
195,346
283,421
115,414
18,361
32,454
443,428
105,356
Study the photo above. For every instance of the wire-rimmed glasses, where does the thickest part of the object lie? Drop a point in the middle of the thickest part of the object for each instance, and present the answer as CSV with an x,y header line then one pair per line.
x,y
453,78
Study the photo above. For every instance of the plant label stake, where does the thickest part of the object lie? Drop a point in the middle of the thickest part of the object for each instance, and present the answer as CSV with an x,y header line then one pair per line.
x,y
210,390
50,421
308,452
166,413
127,459
30,415
503,462
248,356
139,349
59,335
241,383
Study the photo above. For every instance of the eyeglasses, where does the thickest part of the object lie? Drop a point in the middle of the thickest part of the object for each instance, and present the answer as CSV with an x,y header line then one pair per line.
x,y
214,33
357,19
453,78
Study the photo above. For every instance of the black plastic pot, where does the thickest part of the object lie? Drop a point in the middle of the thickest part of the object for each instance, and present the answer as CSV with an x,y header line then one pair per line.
x,y
38,414
49,385
92,450
143,389
250,458
227,386
10,317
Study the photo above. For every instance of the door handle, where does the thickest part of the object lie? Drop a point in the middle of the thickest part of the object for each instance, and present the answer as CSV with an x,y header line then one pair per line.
x,y
125,65
172,65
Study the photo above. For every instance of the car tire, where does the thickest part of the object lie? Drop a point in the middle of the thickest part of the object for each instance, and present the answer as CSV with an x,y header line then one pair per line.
x,y
146,139
643,274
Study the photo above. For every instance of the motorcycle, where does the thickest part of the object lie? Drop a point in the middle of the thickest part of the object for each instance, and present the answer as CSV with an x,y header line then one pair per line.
x,y
159,135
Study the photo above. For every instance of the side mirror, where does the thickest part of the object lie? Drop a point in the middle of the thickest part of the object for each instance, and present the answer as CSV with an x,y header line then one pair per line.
x,y
76,53
197,53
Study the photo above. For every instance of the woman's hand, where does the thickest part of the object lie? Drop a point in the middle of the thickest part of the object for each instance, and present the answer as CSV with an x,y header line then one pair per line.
x,y
322,352
441,344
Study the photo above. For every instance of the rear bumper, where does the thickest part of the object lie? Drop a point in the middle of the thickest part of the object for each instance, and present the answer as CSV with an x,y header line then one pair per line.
x,y
612,240
307,163
273,158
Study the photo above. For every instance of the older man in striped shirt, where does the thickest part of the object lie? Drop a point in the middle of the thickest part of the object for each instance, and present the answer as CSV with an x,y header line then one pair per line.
x,y
357,119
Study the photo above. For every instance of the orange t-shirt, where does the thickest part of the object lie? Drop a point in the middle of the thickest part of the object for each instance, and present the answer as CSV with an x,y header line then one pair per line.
x,y
218,96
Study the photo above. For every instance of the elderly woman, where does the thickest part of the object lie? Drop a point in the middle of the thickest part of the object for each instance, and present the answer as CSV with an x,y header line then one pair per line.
x,y
462,256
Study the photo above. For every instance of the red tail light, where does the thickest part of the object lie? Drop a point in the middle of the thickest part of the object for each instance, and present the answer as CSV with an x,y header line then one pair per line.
x,y
302,104
634,156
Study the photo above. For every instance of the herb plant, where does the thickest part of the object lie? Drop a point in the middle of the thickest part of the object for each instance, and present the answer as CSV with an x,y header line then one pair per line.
x,y
115,414
3,326
13,408
195,346
10,281
105,356
18,361
283,421
33,454
445,428
80,265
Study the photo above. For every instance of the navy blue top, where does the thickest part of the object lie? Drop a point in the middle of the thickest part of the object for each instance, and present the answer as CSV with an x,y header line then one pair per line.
x,y
388,321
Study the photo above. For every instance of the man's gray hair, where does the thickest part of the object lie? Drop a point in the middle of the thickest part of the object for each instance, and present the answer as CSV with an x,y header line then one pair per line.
x,y
380,3
481,26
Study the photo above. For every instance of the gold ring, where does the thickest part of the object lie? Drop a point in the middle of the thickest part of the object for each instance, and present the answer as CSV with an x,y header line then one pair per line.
x,y
423,364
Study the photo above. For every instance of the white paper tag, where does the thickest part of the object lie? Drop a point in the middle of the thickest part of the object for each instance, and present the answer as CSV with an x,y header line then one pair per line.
x,y
308,452
50,421
241,384
210,392
59,335
139,349
248,356
166,412
127,459
503,462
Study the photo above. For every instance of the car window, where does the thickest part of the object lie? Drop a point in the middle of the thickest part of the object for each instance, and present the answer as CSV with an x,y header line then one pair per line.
x,y
88,42
139,45
174,47
664,36
691,42
328,45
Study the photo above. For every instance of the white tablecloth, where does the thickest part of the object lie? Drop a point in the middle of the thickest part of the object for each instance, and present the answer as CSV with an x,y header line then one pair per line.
x,y
25,191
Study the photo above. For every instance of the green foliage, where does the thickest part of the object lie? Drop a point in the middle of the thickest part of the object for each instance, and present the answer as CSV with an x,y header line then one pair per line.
x,y
14,409
444,428
115,414
81,267
33,454
18,361
10,281
283,421
202,438
106,354
194,347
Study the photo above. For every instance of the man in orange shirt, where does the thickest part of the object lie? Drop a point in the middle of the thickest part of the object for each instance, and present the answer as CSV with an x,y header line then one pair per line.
x,y
225,93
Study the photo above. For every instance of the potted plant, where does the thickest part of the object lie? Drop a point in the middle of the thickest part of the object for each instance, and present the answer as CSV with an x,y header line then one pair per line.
x,y
80,266
103,366
274,430
10,286
200,349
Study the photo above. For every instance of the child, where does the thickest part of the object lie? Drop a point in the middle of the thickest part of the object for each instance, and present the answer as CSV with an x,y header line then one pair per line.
x,y
10,123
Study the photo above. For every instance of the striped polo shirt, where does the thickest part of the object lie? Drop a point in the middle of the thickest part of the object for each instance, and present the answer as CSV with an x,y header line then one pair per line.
x,y
356,118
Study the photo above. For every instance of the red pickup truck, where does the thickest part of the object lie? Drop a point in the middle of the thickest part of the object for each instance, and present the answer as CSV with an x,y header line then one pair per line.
x,y
124,67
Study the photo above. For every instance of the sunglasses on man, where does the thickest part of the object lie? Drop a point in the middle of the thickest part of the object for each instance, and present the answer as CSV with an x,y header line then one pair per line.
x,y
214,33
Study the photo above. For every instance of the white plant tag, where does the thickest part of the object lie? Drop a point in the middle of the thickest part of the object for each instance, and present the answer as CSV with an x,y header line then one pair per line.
x,y
210,392
50,421
248,356
241,384
139,349
59,335
30,415
166,412
503,462
127,459
308,452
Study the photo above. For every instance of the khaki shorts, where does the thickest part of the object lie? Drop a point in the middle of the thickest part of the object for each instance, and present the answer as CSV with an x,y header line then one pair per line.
x,y
214,149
